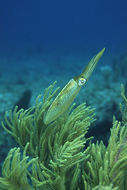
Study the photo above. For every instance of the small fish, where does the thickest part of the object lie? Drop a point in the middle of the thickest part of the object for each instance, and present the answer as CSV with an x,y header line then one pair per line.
x,y
65,98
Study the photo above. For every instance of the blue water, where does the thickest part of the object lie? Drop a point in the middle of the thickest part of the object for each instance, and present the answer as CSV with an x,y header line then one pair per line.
x,y
74,25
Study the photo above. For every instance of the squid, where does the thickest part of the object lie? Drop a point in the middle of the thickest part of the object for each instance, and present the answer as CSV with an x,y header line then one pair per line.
x,y
66,96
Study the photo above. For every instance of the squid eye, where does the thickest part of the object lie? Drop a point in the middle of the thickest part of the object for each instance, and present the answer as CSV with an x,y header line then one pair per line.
x,y
81,81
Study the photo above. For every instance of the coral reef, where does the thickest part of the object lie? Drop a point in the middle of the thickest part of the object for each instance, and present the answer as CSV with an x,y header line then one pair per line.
x,y
59,155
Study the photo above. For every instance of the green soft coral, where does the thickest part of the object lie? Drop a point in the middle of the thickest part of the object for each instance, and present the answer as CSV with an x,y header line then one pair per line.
x,y
108,165
15,170
59,146
58,158
123,108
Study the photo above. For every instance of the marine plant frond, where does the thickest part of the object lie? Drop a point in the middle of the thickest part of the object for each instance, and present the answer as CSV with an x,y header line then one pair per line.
x,y
44,178
123,108
68,154
27,125
75,123
118,155
15,171
42,104
61,152
99,187
123,94
75,177
64,157
95,169
108,165
19,124
59,145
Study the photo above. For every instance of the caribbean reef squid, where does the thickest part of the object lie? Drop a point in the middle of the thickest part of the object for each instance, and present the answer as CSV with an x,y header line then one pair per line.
x,y
66,96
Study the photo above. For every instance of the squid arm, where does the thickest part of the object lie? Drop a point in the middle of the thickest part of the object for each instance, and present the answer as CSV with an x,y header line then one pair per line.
x,y
65,98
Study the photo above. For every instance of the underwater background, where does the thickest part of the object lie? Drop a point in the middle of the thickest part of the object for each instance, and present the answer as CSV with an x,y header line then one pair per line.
x,y
46,41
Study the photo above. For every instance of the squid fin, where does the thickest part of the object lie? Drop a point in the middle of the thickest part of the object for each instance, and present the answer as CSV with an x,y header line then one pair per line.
x,y
91,65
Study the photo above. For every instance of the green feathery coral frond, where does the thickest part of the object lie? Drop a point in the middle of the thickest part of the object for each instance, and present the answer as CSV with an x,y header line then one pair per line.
x,y
105,188
123,94
15,171
123,108
66,143
61,160
107,166
27,125
59,145
118,155
19,125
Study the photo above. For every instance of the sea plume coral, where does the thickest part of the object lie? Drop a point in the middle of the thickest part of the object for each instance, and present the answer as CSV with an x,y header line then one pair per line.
x,y
59,146
58,157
